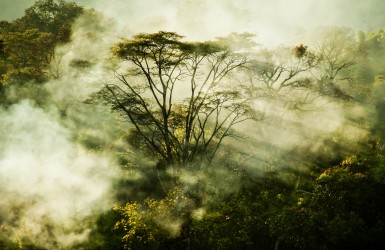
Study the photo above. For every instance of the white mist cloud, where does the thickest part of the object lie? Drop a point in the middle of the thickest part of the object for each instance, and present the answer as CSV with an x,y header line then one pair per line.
x,y
49,185
274,21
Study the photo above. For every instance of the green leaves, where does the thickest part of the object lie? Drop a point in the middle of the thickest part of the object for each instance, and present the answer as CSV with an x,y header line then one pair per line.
x,y
51,16
151,44
148,45
28,52
27,44
154,221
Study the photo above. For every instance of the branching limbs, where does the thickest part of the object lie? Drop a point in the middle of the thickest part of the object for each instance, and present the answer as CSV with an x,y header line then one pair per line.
x,y
300,77
176,94
338,56
275,71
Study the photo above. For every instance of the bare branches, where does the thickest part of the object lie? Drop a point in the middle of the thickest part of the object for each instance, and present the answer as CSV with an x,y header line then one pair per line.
x,y
298,76
281,69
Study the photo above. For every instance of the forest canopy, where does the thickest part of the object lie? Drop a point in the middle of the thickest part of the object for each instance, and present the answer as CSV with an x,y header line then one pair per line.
x,y
153,140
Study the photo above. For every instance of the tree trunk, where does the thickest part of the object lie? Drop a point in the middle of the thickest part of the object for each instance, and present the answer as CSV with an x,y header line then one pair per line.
x,y
276,247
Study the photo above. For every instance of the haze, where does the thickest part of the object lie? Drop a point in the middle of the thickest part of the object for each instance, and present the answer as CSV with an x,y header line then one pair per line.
x,y
274,21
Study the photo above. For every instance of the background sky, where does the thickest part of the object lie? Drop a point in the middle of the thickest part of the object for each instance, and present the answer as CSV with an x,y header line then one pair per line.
x,y
274,21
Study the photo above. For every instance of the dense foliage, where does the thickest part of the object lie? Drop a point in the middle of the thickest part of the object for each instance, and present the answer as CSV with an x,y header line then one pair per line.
x,y
28,43
183,100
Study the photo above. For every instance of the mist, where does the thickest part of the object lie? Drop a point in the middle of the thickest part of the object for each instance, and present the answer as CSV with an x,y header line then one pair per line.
x,y
274,22
49,184
53,187
61,157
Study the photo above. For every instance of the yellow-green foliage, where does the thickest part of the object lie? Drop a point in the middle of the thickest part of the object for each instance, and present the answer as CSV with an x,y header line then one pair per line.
x,y
153,220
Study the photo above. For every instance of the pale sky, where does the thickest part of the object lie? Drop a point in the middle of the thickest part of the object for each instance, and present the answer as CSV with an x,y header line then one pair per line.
x,y
271,20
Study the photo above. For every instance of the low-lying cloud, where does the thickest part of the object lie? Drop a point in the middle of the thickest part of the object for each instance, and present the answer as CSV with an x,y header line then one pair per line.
x,y
49,184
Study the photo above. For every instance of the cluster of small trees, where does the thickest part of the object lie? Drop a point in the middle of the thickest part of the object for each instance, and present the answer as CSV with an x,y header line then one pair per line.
x,y
27,44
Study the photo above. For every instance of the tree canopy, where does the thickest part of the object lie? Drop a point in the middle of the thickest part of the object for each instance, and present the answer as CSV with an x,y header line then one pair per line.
x,y
179,127
28,43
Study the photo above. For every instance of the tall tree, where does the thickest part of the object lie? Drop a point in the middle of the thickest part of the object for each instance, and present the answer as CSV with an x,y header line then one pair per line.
x,y
178,95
